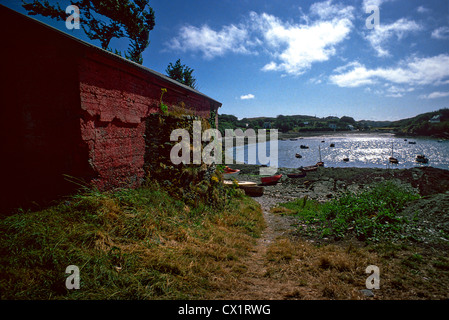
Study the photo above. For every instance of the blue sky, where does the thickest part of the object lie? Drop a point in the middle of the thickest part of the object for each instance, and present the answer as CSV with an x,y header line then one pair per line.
x,y
265,58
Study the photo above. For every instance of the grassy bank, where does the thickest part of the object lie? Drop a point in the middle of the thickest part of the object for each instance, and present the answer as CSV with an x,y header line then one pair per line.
x,y
128,244
333,242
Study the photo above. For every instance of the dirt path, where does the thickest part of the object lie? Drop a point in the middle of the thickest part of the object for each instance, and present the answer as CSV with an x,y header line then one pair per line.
x,y
256,285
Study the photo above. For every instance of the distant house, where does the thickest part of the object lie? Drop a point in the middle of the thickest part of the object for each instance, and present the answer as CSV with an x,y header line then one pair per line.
x,y
306,123
351,127
333,126
435,119
267,125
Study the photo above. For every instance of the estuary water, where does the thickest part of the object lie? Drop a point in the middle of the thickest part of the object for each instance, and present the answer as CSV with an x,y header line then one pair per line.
x,y
361,150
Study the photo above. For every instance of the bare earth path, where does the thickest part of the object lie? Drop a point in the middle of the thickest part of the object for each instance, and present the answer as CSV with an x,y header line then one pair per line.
x,y
256,285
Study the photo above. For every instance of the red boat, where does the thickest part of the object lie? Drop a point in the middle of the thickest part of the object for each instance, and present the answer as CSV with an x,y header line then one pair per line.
x,y
320,164
271,180
228,172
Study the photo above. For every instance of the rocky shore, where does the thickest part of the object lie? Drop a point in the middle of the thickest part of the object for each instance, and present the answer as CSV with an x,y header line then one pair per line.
x,y
327,183
430,213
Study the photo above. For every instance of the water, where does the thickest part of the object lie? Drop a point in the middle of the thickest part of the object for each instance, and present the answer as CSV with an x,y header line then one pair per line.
x,y
363,151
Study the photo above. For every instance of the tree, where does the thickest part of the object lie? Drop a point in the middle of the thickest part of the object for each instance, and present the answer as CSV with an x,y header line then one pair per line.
x,y
181,73
124,18
347,119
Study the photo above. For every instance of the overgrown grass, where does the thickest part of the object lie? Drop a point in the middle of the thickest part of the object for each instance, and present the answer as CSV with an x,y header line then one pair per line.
x,y
372,215
128,244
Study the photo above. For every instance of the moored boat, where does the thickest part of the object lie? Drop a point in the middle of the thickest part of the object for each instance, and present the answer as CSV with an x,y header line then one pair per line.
x,y
251,188
297,175
422,158
240,183
298,156
304,147
271,180
254,191
393,160
228,172
332,145
309,168
320,164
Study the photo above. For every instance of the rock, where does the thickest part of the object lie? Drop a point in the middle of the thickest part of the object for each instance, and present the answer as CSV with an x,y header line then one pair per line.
x,y
367,293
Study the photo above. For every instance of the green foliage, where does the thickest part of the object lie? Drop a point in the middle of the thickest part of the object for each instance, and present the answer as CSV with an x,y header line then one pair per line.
x,y
420,124
372,215
294,123
181,73
163,106
131,19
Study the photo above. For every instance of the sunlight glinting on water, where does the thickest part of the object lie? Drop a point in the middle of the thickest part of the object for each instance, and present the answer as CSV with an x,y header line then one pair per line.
x,y
361,150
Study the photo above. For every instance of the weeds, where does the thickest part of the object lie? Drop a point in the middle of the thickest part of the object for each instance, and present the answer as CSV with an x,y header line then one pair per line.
x,y
371,216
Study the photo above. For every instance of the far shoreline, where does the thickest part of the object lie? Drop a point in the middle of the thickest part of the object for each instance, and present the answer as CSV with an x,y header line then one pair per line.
x,y
282,136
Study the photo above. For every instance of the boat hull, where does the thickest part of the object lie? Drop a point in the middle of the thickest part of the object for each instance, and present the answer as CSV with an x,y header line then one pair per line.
x,y
253,191
297,175
271,180
309,168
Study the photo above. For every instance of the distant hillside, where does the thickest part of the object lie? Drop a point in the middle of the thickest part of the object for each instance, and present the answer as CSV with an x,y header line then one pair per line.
x,y
434,124
427,124
291,123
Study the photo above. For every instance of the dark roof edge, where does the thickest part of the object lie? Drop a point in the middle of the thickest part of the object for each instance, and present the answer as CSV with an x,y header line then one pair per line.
x,y
113,55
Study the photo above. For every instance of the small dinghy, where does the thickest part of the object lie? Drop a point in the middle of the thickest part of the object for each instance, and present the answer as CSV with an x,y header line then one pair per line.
x,y
309,168
228,172
271,180
421,158
297,175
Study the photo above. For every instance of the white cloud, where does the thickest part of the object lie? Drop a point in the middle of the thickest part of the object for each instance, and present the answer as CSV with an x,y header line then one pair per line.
x,y
441,33
435,95
247,96
327,10
422,9
380,35
294,47
377,3
287,41
415,71
210,42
